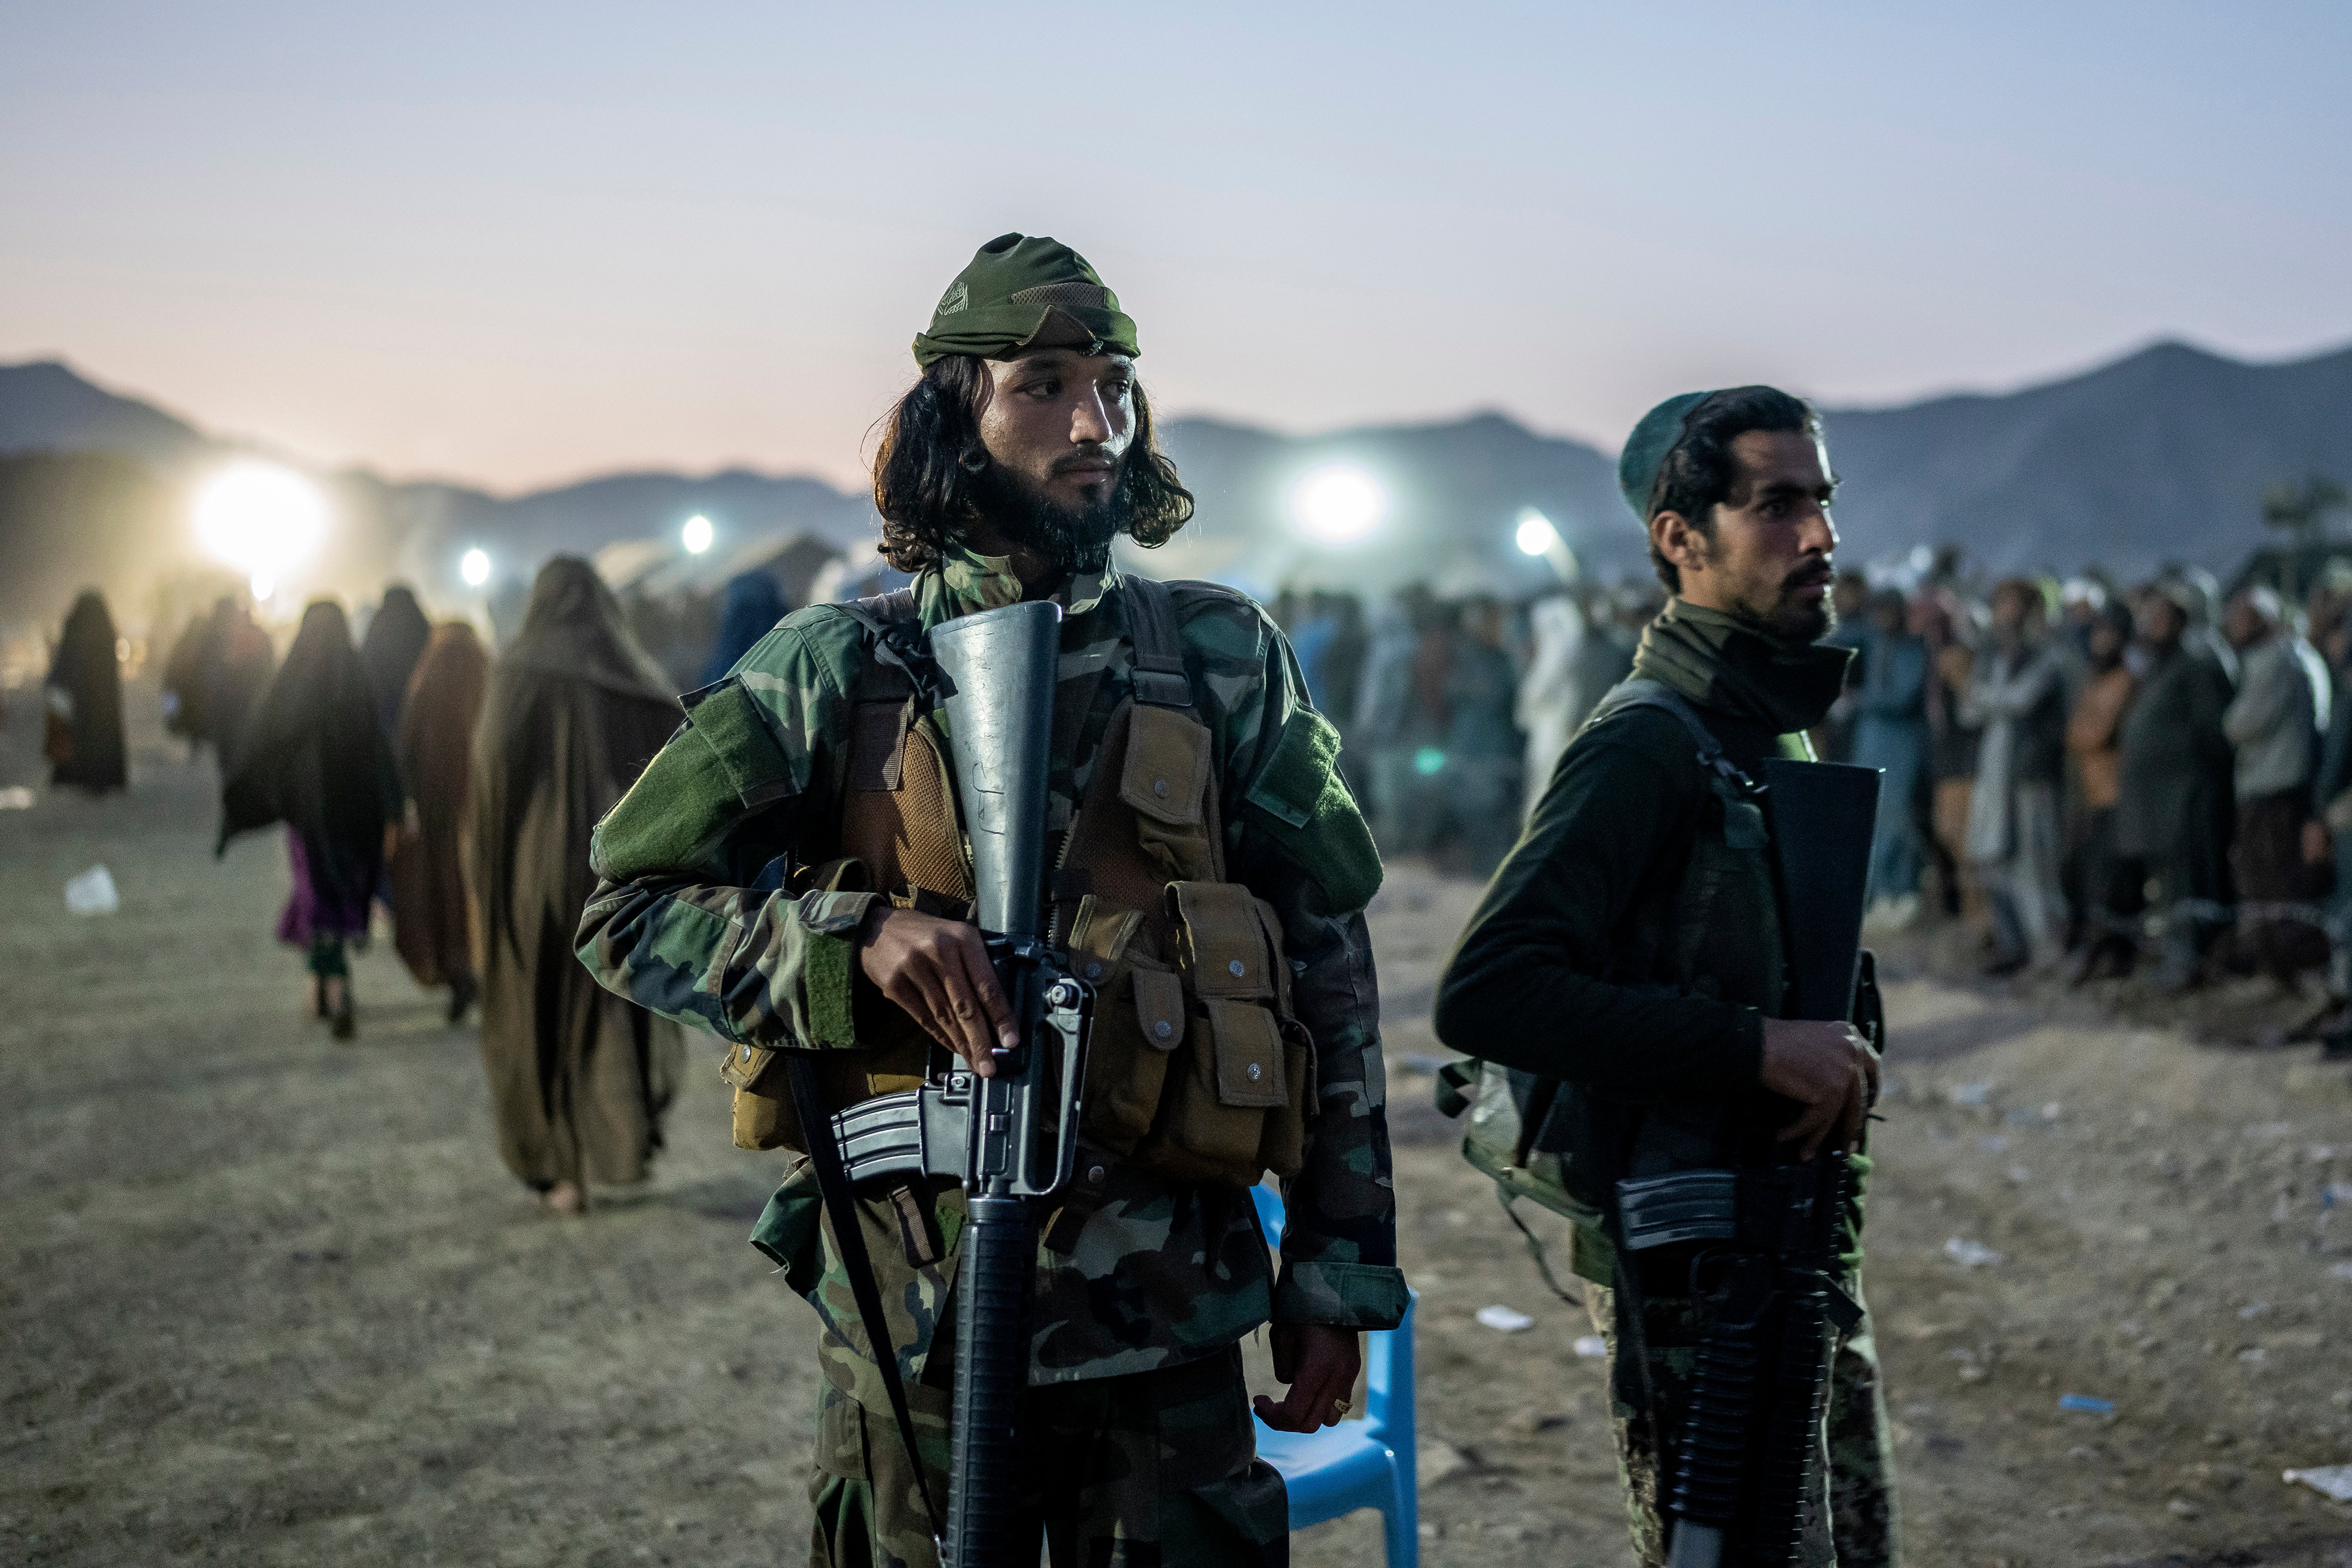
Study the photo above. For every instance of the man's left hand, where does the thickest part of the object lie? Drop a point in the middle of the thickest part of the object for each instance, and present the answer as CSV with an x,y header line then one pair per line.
x,y
1319,1362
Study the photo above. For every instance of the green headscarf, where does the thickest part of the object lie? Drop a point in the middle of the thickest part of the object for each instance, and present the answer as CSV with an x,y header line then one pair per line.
x,y
1020,293
1646,448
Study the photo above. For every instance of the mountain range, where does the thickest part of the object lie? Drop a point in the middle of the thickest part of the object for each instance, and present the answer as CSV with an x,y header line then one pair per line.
x,y
2159,456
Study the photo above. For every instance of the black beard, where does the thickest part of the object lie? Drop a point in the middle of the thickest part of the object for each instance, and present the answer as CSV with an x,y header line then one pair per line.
x,y
1074,539
1790,624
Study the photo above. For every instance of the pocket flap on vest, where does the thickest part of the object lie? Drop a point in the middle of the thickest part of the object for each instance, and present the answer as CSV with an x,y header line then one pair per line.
x,y
1160,1007
1222,943
1167,770
1099,937
1249,1054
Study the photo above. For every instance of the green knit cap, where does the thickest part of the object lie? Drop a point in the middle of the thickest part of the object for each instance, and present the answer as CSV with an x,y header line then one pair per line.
x,y
1646,448
1025,293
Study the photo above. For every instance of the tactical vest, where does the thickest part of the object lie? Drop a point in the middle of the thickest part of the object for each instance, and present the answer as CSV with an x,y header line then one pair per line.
x,y
1198,1068
1715,933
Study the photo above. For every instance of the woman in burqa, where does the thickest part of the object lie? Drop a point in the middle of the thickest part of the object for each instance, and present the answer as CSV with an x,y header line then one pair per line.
x,y
218,670
315,759
395,640
84,696
579,1077
431,916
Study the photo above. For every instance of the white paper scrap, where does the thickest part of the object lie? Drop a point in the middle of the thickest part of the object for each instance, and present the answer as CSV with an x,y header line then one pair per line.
x,y
2332,1481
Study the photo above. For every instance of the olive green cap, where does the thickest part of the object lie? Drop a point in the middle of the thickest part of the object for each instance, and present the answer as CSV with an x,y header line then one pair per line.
x,y
1646,448
1021,292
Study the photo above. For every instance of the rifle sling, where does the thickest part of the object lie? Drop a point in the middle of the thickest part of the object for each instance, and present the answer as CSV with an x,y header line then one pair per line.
x,y
898,640
816,1125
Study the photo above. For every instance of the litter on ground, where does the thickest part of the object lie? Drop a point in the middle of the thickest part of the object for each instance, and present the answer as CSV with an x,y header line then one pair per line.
x,y
2333,1482
93,893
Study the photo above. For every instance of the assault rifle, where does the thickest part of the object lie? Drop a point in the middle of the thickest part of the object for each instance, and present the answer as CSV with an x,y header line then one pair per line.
x,y
1763,1239
1011,1139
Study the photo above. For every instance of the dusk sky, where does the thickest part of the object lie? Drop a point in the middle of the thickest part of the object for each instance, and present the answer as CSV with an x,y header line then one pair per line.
x,y
516,245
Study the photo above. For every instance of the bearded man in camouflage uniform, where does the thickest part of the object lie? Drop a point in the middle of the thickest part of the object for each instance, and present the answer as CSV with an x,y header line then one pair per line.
x,y
1004,475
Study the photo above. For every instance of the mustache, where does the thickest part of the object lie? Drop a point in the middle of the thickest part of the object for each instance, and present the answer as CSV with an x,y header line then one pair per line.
x,y
1100,458
1811,574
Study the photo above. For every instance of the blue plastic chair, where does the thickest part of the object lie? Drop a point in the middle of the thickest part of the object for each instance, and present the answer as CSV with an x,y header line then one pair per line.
x,y
1367,1463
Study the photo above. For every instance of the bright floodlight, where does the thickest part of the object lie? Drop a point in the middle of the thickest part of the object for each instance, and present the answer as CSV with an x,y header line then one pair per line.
x,y
696,535
260,519
474,567
1337,505
1537,535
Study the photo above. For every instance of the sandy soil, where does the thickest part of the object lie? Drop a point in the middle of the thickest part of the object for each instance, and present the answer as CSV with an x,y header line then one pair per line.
x,y
271,1300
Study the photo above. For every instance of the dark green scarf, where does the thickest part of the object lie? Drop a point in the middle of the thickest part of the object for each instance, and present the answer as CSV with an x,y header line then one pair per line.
x,y
1728,665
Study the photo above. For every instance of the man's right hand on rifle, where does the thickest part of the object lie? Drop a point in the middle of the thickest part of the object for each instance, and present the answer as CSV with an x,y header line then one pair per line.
x,y
938,970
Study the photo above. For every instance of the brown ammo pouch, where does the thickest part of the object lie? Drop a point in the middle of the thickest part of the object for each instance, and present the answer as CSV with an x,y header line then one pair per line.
x,y
1198,1069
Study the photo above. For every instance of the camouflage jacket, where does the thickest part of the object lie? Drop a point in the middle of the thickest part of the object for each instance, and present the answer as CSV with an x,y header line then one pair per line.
x,y
1157,1271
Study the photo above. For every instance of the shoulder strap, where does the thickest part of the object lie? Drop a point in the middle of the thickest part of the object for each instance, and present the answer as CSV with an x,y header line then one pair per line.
x,y
1150,612
1640,691
833,1183
897,639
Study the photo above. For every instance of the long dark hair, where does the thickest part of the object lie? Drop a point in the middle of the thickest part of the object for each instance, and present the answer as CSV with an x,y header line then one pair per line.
x,y
928,496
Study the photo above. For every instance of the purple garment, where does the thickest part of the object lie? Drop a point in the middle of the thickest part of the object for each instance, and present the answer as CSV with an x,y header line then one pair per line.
x,y
312,912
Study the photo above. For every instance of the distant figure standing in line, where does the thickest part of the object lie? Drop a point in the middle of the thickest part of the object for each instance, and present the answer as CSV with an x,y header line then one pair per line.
x,y
2114,886
315,759
2274,724
2175,808
579,1077
2017,694
1547,708
431,914
1890,733
84,695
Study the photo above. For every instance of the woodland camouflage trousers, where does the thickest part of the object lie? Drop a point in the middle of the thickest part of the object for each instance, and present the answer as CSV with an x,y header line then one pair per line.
x,y
1850,1521
1158,1469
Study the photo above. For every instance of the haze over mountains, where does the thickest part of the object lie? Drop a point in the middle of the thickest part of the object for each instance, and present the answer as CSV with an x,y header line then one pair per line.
x,y
2159,456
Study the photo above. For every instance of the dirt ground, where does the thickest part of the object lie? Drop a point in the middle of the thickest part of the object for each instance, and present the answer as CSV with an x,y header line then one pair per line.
x,y
271,1300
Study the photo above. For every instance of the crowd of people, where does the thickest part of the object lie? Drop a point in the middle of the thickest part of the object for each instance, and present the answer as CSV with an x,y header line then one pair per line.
x,y
1454,709
2095,781
421,777
2088,776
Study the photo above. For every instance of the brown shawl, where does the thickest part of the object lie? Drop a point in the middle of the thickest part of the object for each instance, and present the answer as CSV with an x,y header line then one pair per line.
x,y
579,1077
437,715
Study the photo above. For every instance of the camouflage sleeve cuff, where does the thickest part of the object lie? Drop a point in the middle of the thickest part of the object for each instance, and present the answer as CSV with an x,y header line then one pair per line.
x,y
1342,1295
830,969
